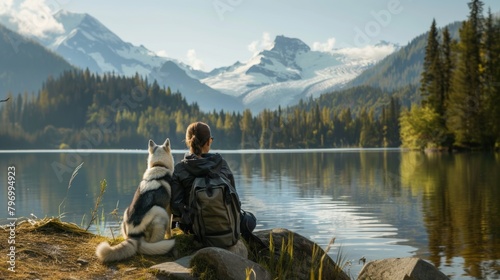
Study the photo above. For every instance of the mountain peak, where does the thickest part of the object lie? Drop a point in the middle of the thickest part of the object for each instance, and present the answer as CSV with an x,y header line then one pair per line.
x,y
280,63
72,21
282,43
69,19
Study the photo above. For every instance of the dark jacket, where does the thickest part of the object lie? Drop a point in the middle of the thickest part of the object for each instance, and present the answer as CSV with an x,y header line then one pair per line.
x,y
187,170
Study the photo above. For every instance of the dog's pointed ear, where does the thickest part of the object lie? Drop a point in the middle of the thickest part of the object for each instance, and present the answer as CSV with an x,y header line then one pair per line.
x,y
152,144
167,144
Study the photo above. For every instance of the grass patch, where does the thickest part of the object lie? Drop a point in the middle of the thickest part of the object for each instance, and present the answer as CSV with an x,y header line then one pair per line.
x,y
287,258
52,249
203,270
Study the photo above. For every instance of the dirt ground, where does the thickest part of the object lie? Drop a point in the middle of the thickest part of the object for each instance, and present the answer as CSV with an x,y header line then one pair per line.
x,y
51,249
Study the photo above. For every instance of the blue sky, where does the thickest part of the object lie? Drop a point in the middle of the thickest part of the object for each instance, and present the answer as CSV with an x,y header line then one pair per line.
x,y
214,33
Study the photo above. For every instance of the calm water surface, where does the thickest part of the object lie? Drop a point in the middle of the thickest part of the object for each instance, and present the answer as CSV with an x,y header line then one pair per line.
x,y
376,203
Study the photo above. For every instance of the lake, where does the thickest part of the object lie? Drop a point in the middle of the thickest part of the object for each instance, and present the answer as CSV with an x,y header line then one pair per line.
x,y
444,208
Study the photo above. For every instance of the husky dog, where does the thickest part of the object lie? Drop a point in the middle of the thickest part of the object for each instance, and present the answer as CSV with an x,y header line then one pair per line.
x,y
148,217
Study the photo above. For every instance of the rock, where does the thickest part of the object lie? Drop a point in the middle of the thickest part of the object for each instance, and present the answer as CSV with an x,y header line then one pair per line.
x,y
303,259
217,263
181,269
178,269
401,268
239,249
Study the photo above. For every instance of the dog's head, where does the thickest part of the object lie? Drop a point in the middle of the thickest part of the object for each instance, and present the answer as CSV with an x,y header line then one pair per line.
x,y
160,155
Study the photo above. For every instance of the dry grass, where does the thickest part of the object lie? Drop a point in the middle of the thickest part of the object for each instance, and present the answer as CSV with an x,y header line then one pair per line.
x,y
51,249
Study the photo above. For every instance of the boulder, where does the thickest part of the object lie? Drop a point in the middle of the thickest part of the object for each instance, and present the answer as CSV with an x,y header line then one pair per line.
x,y
291,256
178,269
217,263
300,260
181,268
401,268
239,249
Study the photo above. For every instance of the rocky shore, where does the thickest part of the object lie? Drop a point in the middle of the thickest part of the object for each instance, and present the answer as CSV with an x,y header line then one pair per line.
x,y
308,262
51,249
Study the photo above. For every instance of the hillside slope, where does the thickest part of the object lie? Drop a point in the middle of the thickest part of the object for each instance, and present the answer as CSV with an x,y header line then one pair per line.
x,y
402,68
25,64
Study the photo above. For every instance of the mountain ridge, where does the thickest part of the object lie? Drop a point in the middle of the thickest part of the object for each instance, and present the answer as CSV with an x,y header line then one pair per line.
x,y
401,68
87,41
287,72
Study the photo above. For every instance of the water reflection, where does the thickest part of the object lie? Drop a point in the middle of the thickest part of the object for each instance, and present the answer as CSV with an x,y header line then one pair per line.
x,y
461,205
446,206
377,204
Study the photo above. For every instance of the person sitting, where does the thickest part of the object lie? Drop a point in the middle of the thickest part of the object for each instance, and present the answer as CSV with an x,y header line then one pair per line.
x,y
199,162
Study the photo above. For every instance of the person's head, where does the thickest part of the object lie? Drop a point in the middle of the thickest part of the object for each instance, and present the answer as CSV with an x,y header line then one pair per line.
x,y
198,138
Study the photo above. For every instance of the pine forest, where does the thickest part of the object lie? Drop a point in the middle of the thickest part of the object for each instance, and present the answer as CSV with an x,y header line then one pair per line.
x,y
456,105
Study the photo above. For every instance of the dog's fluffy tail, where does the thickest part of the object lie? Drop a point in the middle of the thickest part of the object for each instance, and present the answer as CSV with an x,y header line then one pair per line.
x,y
125,249
130,247
157,248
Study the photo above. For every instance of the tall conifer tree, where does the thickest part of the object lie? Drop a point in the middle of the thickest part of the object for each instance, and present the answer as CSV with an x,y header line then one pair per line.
x,y
491,57
431,80
447,65
465,116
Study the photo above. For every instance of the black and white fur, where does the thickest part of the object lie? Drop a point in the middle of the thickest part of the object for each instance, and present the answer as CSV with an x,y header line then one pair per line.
x,y
148,217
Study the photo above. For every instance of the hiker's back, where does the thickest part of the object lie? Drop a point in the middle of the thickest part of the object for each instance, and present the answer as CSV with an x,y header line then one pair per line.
x,y
214,209
204,195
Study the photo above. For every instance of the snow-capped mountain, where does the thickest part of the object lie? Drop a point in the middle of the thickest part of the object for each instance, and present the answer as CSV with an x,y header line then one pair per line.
x,y
282,75
192,89
291,71
87,43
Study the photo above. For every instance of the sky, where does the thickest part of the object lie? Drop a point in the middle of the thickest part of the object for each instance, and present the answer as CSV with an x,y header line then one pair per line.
x,y
214,33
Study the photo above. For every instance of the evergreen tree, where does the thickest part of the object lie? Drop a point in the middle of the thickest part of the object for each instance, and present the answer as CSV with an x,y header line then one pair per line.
x,y
265,119
248,139
339,130
491,57
465,110
370,129
390,123
447,65
431,83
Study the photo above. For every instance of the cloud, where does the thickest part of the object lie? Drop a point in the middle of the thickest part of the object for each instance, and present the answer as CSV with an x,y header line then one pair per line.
x,y
376,52
5,6
324,47
370,52
32,17
265,43
194,61
162,53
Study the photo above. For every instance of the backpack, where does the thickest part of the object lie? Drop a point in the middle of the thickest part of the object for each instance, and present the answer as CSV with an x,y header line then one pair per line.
x,y
215,211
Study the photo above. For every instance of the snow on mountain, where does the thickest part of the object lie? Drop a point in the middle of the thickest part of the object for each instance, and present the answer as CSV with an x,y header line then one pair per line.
x,y
291,71
87,43
192,89
282,75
